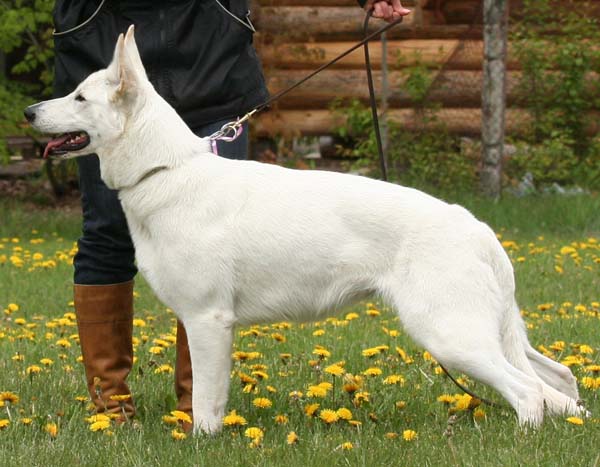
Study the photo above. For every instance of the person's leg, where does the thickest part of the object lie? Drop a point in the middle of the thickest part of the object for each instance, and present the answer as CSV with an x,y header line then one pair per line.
x,y
103,291
237,149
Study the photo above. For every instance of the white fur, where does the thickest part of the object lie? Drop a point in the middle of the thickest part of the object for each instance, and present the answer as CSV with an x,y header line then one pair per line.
x,y
227,242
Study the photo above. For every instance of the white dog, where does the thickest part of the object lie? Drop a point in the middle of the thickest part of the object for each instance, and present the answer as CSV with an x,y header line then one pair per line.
x,y
227,242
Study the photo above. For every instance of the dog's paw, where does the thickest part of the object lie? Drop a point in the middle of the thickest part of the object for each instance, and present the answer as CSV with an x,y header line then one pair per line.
x,y
208,425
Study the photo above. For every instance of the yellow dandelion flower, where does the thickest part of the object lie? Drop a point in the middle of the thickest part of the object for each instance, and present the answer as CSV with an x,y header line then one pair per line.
x,y
394,379
120,397
446,399
81,398
20,321
233,419
170,420
260,374
361,397
46,361
391,435
351,316
373,371
296,395
156,350
335,370
246,379
344,413
567,250
400,405
181,416
463,402
318,332
347,446
178,435
262,403
329,416
311,409
479,414
9,397
139,323
316,391
97,418
586,349
321,352
26,421
292,438
64,343
100,425
254,433
409,435
4,422
281,419
371,352
33,369
51,429
575,420
165,368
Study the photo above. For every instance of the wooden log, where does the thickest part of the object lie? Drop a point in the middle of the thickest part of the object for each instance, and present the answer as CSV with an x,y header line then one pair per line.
x,y
301,22
312,55
323,3
456,121
450,88
451,54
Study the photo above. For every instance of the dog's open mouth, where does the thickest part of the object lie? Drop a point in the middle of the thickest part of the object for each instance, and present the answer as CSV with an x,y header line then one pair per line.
x,y
66,142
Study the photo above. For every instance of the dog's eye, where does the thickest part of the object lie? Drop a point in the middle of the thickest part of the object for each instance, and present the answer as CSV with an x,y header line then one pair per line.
x,y
80,98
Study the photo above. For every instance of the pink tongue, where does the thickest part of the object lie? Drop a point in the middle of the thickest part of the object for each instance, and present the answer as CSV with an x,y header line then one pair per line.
x,y
55,143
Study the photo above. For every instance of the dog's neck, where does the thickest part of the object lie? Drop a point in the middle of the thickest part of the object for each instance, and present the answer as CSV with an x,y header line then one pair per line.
x,y
159,139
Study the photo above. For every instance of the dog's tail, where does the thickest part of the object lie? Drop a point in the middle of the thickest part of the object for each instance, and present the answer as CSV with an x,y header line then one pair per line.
x,y
554,377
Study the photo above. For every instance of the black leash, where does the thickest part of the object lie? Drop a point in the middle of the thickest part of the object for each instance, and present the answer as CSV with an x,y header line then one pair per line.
x,y
373,101
230,130
469,392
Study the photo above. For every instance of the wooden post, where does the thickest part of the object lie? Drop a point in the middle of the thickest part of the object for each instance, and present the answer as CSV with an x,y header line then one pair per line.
x,y
495,19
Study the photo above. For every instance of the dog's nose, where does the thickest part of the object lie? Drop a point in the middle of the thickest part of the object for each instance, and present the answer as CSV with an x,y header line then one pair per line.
x,y
30,113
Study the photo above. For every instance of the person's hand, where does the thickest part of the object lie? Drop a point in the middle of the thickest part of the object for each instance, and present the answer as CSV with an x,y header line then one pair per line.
x,y
387,10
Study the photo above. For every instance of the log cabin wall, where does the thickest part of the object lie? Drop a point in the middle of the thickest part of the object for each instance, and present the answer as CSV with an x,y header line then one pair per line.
x,y
296,36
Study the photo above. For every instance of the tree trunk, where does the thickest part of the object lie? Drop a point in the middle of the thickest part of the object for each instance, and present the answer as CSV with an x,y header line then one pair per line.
x,y
493,94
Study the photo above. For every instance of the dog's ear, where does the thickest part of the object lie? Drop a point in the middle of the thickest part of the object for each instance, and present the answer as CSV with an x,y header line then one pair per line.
x,y
130,68
132,51
113,70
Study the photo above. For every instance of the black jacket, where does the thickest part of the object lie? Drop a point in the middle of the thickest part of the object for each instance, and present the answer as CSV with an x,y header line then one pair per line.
x,y
199,58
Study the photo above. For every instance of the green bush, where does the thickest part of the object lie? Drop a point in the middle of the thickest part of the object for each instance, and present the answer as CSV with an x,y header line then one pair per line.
x,y
559,87
26,38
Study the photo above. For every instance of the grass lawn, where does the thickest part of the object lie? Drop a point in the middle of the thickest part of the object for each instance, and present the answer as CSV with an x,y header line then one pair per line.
x,y
389,386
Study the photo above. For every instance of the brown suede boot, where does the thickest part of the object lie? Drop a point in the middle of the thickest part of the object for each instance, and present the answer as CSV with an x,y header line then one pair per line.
x,y
105,321
183,375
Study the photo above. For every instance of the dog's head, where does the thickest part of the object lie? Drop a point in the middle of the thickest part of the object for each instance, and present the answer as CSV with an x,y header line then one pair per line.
x,y
95,114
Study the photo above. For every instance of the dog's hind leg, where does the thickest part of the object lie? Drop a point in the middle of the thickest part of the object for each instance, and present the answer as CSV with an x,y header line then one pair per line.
x,y
457,317
210,337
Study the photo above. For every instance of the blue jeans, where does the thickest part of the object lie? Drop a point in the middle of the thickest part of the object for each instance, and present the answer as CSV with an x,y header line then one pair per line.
x,y
106,254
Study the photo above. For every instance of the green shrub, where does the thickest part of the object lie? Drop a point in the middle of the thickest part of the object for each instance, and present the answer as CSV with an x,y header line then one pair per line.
x,y
26,38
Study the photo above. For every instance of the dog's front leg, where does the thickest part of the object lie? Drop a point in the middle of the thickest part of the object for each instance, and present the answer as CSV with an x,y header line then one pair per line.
x,y
210,336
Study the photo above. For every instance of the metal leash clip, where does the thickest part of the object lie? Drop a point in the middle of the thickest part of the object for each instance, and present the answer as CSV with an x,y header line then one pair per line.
x,y
230,131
